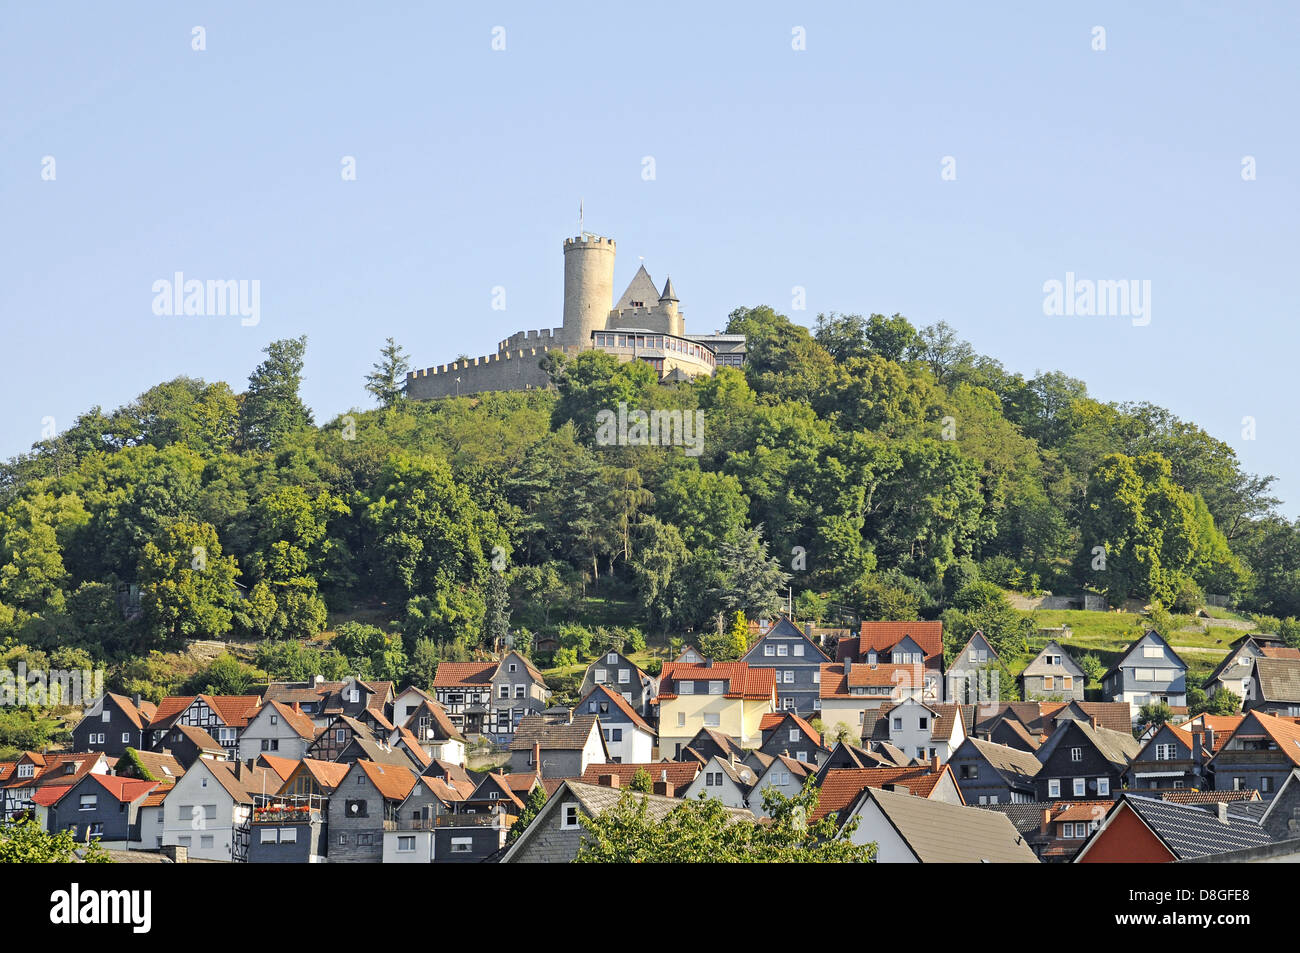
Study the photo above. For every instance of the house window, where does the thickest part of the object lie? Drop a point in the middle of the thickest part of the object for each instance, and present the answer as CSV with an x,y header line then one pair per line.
x,y
275,719
503,691
1144,674
794,734
798,649
288,835
783,651
126,737
354,695
519,691
1265,785
1067,830
969,772
1103,787
1076,754
712,719
1067,682
1080,787
769,650
462,845
569,817
686,688
406,844
681,719
713,779
206,842
1152,651
270,744
343,840
1054,787
600,676
715,688
26,770
340,735
924,722
267,835
514,667
898,724
612,658
89,802
1049,682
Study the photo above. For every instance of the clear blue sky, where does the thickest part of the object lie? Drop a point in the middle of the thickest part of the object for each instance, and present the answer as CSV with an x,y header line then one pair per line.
x,y
774,168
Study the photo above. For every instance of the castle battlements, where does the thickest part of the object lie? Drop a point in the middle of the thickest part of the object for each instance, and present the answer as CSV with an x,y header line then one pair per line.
x,y
587,238
546,337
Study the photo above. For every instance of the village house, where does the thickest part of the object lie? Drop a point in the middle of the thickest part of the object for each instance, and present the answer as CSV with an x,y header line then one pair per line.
x,y
100,806
628,736
724,779
989,773
113,724
787,734
54,774
1275,687
220,716
362,807
557,749
1235,673
276,728
901,643
433,730
1170,759
731,697
918,730
617,673
1148,672
797,663
781,773
209,811
670,778
1051,675
1082,760
972,676
1260,754
850,689
1147,830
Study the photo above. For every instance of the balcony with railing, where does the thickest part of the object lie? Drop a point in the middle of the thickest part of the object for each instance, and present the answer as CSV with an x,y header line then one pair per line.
x,y
290,809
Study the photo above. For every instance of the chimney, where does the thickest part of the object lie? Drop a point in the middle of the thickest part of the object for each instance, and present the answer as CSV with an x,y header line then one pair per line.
x,y
1096,722
317,679
662,788
1209,739
1046,826
297,708
934,762
1223,812
708,663
848,665
570,717
177,853
663,775
608,780
537,756
136,700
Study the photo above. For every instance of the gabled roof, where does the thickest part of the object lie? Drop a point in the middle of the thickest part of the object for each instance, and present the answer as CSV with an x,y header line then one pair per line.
x,y
742,680
200,738
233,710
603,693
393,781
224,773
1168,734
498,783
282,767
963,656
1281,731
440,723
464,674
773,721
1150,634
411,744
563,736
679,774
1188,831
842,786
138,716
1223,726
124,790
1117,747
302,724
1278,679
1279,651
1038,664
161,765
642,289
1015,766
939,832
880,636
785,626
382,753
456,776
723,743
328,775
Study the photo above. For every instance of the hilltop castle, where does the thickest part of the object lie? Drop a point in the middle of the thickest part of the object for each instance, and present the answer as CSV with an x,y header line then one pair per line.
x,y
644,325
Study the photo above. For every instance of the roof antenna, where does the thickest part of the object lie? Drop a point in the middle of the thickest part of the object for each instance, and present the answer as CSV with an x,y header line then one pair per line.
x,y
580,228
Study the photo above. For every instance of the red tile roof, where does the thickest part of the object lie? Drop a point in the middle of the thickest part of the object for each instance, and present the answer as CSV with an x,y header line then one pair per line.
x,y
393,781
1279,651
295,719
742,680
124,789
841,786
679,774
281,766
881,636
461,674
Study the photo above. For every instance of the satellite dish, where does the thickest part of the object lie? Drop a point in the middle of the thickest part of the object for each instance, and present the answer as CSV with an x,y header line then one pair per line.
x,y
353,808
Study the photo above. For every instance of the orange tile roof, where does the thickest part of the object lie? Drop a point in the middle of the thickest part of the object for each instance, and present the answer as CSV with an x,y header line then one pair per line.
x,y
461,674
300,723
841,786
281,766
885,635
1223,726
679,774
123,789
743,681
773,720
862,675
1279,651
328,774
393,781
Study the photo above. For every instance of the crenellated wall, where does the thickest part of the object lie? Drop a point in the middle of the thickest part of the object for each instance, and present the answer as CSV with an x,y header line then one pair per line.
x,y
506,370
546,337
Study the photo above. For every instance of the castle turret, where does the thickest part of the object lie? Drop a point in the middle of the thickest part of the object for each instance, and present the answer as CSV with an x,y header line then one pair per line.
x,y
588,286
668,304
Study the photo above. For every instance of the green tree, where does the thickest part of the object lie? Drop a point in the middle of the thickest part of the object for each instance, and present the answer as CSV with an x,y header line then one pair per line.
x,y
272,409
751,580
24,841
641,782
704,831
533,805
187,587
387,381
1154,714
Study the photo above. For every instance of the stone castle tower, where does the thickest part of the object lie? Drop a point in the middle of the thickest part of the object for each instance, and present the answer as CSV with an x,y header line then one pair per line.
x,y
644,324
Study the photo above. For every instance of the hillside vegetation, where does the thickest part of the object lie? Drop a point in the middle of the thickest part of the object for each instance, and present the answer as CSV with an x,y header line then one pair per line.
x,y
865,469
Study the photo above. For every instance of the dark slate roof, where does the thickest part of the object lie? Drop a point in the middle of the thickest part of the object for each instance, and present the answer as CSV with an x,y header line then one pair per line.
x,y
1015,766
1191,831
569,736
1279,679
